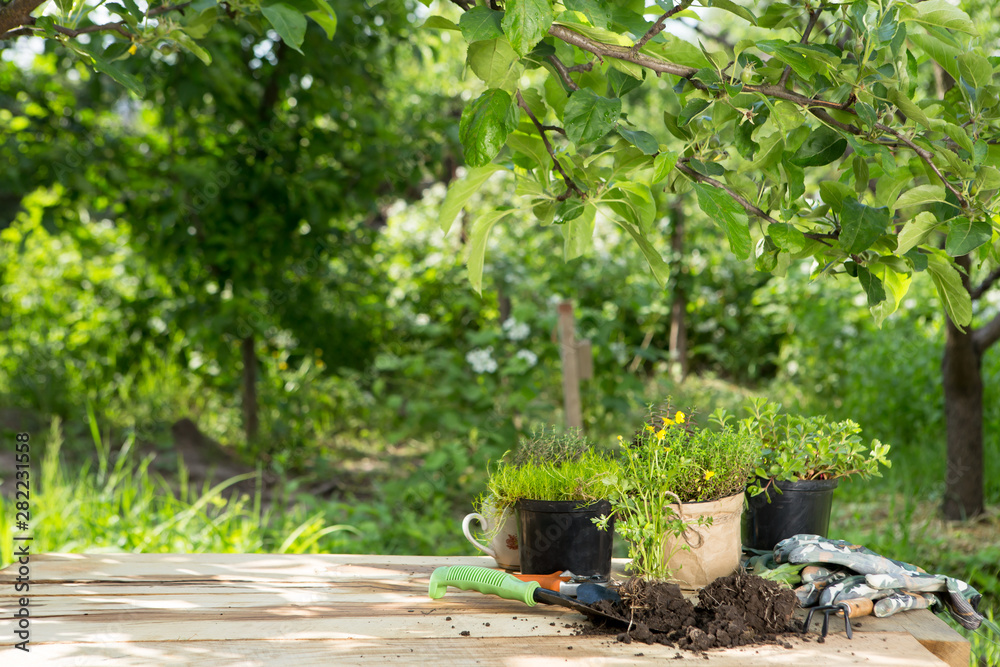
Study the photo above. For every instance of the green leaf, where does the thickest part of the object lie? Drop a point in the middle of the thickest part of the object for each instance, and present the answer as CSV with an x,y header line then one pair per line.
x,y
959,135
721,208
656,264
485,124
966,235
861,225
495,63
439,23
921,194
690,110
948,282
821,147
787,237
801,64
526,22
909,107
588,116
915,232
634,203
461,191
943,54
192,46
896,285
133,9
621,83
866,113
578,233
327,22
477,245
596,11
480,23
90,54
732,8
663,165
644,141
872,286
975,69
834,194
938,13
288,22
859,166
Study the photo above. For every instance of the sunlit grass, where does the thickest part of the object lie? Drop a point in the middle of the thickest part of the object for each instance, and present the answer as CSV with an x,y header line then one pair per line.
x,y
123,507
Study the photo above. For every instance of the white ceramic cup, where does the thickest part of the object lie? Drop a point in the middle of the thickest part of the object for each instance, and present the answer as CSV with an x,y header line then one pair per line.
x,y
502,531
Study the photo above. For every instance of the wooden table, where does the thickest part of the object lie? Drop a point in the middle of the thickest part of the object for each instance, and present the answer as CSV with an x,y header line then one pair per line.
x,y
233,609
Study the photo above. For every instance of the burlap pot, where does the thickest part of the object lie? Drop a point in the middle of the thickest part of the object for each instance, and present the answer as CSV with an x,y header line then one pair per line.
x,y
715,550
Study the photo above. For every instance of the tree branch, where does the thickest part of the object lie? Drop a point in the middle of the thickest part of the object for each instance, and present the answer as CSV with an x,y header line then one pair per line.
x,y
563,72
927,157
987,283
571,186
813,17
743,201
661,23
15,14
988,334
117,27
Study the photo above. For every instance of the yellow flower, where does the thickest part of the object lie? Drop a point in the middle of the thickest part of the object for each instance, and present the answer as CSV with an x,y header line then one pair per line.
x,y
679,417
668,422
283,366
661,434
620,439
709,474
649,428
132,49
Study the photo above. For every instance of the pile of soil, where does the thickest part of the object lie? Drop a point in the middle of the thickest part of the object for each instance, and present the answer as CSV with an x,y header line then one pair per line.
x,y
737,610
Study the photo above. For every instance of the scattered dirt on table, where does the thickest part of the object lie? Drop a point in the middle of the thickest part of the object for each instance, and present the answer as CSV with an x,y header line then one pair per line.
x,y
737,610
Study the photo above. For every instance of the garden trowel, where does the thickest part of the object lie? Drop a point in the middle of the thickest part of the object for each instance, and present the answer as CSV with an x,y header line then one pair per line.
x,y
495,582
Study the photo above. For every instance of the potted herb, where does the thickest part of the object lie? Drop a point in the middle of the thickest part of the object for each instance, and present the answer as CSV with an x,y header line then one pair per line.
x,y
558,484
680,498
801,462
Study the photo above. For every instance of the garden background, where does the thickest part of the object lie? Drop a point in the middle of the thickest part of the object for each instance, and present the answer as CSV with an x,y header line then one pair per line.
x,y
241,270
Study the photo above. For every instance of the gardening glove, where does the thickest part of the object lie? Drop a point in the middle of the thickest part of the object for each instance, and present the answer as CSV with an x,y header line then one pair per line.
x,y
850,588
904,600
814,579
884,574
960,598
816,549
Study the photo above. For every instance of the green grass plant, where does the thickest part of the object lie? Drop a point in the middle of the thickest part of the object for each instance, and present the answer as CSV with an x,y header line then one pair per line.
x,y
587,478
121,506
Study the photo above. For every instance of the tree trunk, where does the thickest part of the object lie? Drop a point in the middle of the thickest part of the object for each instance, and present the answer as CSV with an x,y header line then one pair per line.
x,y
251,419
678,308
963,408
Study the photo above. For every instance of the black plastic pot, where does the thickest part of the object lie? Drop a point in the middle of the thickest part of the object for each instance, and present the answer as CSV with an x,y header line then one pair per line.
x,y
801,507
556,535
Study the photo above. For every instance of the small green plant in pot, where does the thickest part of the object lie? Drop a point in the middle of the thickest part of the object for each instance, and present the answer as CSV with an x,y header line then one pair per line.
x,y
680,497
558,483
801,462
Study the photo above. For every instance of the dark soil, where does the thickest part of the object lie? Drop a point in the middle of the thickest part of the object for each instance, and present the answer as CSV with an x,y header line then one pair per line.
x,y
737,610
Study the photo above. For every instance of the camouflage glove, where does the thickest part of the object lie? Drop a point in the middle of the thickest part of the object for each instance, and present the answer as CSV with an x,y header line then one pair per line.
x,y
850,588
961,599
816,549
903,601
884,575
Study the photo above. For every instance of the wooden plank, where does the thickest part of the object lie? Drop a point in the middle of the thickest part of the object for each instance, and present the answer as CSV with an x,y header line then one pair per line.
x,y
892,649
932,632
232,567
155,598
